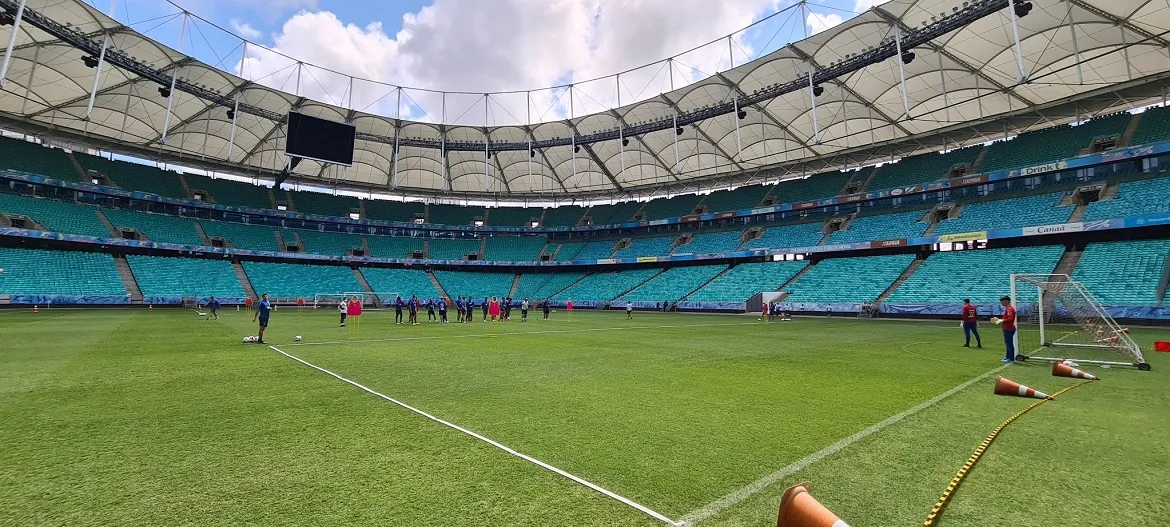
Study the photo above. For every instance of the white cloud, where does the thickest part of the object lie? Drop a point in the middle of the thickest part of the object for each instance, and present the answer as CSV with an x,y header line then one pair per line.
x,y
860,6
478,47
245,30
818,22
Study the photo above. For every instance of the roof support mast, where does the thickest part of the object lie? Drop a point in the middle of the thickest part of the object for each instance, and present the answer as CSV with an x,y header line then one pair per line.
x,y
1072,27
621,133
734,100
97,75
528,126
11,43
812,89
670,71
573,132
902,70
397,126
487,155
1016,33
236,104
174,77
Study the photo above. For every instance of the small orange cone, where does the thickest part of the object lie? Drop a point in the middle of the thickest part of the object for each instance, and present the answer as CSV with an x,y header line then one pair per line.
x,y
799,509
1060,369
1007,387
36,308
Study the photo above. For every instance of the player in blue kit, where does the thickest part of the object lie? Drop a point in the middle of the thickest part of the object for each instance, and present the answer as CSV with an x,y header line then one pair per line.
x,y
263,309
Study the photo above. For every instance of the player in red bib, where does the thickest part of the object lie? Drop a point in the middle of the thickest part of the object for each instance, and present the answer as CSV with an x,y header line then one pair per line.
x,y
971,323
1008,325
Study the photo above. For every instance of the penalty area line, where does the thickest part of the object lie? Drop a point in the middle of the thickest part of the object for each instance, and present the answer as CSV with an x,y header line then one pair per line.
x,y
514,333
734,498
642,508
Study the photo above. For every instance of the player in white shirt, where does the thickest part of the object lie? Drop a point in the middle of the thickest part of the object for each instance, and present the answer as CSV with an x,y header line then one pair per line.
x,y
341,308
629,310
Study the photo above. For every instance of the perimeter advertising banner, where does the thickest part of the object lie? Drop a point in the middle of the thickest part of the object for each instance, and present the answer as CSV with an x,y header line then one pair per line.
x,y
963,237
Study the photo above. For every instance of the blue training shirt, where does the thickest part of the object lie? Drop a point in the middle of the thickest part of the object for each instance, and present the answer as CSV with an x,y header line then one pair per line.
x,y
264,306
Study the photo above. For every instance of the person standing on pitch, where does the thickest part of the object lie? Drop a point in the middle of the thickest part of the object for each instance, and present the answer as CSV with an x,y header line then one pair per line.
x,y
412,305
442,310
524,310
213,307
342,307
545,306
1008,325
484,307
398,305
431,311
629,310
263,309
971,323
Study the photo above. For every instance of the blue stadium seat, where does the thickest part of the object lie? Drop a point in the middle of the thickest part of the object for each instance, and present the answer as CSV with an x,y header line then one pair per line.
x,y
745,280
1124,273
673,284
849,279
40,272
1135,198
1044,209
981,275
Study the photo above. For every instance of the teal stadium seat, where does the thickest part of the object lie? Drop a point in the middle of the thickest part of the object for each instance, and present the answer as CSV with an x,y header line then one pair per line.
x,y
656,246
331,243
1154,127
817,186
849,279
18,154
405,282
922,168
323,204
513,216
475,284
613,214
748,197
157,227
673,284
168,276
882,227
135,176
233,193
393,246
598,250
514,248
1124,273
1027,211
242,236
56,216
379,209
798,235
452,249
601,287
1050,144
745,280
712,242
981,275
563,216
454,214
39,272
288,281
539,286
1135,198
662,208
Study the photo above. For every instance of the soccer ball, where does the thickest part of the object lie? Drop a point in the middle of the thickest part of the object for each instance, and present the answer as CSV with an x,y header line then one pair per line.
x,y
251,340
297,338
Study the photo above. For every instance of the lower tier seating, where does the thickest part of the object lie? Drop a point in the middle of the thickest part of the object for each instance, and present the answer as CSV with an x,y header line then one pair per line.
x,y
1044,209
673,284
602,287
981,275
798,235
539,286
158,227
1134,198
849,279
56,216
167,276
475,284
1125,273
39,272
288,280
745,280
405,282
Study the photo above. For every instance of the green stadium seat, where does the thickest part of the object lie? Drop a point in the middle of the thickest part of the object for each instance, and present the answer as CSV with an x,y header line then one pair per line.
x,y
673,284
662,208
475,284
748,197
613,214
861,279
454,214
922,168
1043,209
168,276
241,236
513,216
289,281
331,243
981,275
712,242
602,287
1154,127
394,246
1135,198
405,282
657,246
39,272
452,249
797,235
56,216
1124,273
1050,144
233,193
135,176
379,209
817,186
514,248
745,280
307,202
563,216
882,227
157,227
599,250
18,154
539,286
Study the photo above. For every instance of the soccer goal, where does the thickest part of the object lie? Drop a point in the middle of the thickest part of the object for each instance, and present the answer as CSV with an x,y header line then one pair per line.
x,y
1057,313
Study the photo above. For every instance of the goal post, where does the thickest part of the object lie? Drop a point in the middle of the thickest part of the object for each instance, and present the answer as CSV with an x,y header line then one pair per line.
x,y
373,300
1057,313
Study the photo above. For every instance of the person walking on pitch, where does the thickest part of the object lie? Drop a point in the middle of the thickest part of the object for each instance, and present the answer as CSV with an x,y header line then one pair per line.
x,y
971,323
213,307
524,310
629,310
342,308
263,309
1008,325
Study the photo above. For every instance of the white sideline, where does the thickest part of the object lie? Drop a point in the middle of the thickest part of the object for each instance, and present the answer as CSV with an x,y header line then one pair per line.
x,y
510,333
737,496
646,510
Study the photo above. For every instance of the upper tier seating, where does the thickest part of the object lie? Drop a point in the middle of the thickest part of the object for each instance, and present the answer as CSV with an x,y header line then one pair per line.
x,y
378,209
37,272
849,279
748,197
167,276
1135,198
234,193
563,216
321,203
922,168
514,248
1050,144
18,154
513,216
393,246
817,186
657,246
331,243
405,282
586,251
673,284
602,287
614,214
1154,128
251,237
289,237
454,214
56,216
287,280
157,227
1124,273
798,235
745,280
882,227
475,284
134,176
452,249
658,209
539,286
981,275
712,242
1026,211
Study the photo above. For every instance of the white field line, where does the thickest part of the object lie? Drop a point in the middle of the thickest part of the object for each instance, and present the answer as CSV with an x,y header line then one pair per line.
x,y
510,333
737,496
505,448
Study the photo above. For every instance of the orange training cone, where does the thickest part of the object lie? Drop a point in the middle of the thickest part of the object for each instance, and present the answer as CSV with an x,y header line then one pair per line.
x,y
36,308
1007,387
1060,369
799,509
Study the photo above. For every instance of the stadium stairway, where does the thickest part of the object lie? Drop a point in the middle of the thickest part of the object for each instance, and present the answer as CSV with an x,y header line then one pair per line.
x,y
77,166
272,198
865,184
639,284
1126,137
186,187
299,242
978,162
106,221
793,280
244,281
438,286
365,244
202,235
515,285
361,279
427,248
899,281
279,239
128,280
1068,262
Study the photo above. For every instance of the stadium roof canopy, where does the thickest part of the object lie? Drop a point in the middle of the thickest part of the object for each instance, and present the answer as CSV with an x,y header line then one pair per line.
x,y
963,85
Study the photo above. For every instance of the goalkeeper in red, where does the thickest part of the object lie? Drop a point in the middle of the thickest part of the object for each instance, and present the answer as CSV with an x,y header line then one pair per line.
x,y
1008,325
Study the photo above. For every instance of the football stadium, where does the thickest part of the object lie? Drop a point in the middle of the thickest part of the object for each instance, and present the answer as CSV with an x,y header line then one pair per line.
x,y
745,282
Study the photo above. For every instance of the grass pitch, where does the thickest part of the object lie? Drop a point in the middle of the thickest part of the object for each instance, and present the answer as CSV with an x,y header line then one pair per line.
x,y
162,418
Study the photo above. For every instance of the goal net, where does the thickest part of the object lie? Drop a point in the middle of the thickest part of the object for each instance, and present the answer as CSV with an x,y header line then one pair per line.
x,y
1061,319
332,300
